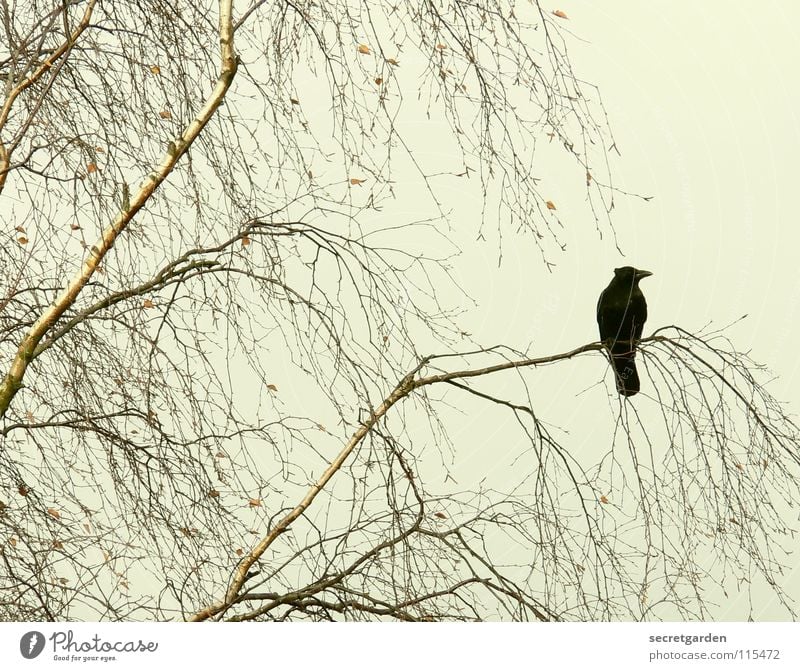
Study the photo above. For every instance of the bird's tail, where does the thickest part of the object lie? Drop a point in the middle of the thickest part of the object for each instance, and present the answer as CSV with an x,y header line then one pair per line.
x,y
625,372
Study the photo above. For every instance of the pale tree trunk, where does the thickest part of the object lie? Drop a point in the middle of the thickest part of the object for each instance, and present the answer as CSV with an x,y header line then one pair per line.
x,y
29,348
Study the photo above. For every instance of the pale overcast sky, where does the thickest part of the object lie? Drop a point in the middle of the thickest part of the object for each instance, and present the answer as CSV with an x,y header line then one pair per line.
x,y
702,98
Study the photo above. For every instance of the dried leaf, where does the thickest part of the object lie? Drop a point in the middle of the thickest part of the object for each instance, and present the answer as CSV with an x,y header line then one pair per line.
x,y
165,114
29,416
355,181
392,61
363,49
213,493
91,167
87,528
22,240
75,227
23,490
550,205
272,387
441,516
239,552
19,229
58,545
12,542
148,303
560,14
294,101
379,80
54,513
155,69
255,503
441,47
245,241
603,499
63,581
588,177
100,150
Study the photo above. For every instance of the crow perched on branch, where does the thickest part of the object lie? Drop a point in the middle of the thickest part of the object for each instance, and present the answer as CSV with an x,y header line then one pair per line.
x,y
621,314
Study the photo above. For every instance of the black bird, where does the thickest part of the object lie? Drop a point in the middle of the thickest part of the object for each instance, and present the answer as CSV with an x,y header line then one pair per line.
x,y
621,314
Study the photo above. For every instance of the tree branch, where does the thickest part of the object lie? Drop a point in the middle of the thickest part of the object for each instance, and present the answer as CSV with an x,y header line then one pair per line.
x,y
27,348
405,387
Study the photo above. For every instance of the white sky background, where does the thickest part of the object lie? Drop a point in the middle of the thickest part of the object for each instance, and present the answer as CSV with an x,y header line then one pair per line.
x,y
702,99
703,103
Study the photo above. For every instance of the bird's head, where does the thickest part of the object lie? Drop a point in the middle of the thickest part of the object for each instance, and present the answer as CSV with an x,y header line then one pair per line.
x,y
629,274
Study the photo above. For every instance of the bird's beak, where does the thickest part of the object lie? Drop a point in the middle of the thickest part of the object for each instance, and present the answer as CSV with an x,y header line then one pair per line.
x,y
641,274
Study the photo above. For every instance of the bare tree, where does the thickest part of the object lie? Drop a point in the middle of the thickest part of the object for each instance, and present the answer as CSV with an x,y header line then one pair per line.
x,y
196,199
